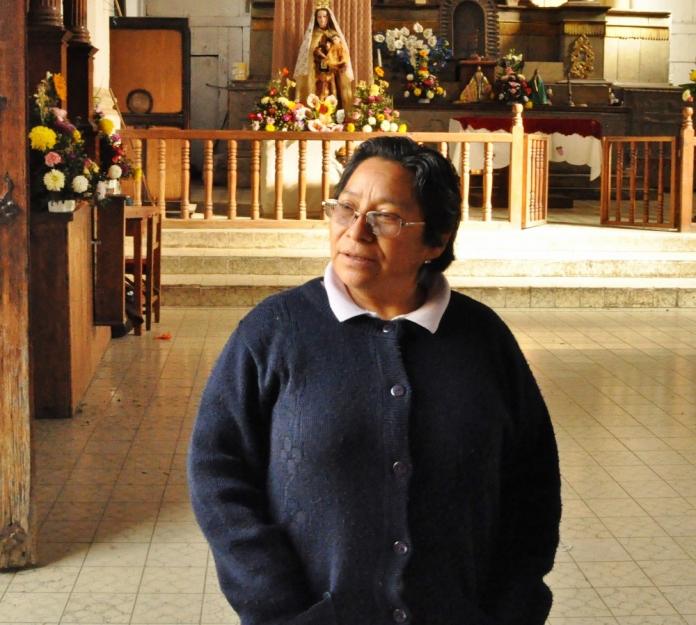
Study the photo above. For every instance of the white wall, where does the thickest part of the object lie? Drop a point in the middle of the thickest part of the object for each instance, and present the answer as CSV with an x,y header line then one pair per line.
x,y
98,26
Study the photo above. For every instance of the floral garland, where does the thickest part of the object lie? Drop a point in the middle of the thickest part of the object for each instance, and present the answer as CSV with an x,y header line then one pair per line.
x,y
59,166
373,109
689,92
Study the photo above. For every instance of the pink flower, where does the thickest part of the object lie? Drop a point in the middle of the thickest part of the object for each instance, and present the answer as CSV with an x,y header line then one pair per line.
x,y
52,159
60,114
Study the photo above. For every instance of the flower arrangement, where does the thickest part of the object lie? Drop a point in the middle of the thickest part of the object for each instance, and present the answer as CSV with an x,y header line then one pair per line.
x,y
511,86
410,49
277,109
113,163
422,84
324,114
60,169
689,92
373,109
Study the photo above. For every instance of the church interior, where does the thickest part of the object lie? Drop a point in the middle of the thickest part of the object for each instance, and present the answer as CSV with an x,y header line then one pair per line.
x,y
227,123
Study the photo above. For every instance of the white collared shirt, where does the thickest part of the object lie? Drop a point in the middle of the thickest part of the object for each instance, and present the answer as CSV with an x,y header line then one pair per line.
x,y
427,316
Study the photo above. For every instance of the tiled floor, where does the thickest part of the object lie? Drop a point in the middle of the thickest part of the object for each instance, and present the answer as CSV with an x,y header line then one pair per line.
x,y
119,543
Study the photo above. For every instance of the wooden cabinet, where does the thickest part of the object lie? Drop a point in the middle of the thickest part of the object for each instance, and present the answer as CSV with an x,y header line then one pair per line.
x,y
66,346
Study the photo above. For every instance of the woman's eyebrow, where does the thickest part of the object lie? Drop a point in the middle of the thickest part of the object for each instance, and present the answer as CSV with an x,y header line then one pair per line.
x,y
381,200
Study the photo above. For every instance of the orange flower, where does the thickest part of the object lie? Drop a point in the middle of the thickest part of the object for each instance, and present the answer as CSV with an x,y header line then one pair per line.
x,y
285,71
379,71
60,86
423,52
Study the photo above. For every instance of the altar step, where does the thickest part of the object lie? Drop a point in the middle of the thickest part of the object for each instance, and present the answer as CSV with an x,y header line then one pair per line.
x,y
551,266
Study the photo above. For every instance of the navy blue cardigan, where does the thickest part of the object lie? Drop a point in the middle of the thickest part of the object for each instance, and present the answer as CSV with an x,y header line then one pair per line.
x,y
370,472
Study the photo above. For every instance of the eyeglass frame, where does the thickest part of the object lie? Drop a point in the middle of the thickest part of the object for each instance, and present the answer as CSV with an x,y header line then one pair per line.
x,y
333,203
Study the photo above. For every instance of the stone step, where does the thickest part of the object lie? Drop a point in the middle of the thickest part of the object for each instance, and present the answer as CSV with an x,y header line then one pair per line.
x,y
196,262
472,236
244,290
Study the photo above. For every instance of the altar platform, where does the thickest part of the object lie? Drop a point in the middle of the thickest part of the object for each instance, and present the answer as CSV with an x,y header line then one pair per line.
x,y
571,262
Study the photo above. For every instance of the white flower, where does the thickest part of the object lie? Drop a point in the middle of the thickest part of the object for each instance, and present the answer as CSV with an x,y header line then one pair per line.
x,y
394,127
255,125
80,184
371,120
101,188
367,128
385,126
340,116
686,95
398,44
114,172
430,94
407,94
428,33
432,41
300,113
405,31
315,125
265,100
417,28
379,38
409,76
54,180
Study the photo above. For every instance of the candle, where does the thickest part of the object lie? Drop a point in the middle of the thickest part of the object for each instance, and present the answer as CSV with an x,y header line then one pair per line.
x,y
379,57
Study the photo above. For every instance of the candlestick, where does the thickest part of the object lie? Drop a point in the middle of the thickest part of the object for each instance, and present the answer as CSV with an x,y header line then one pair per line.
x,y
379,57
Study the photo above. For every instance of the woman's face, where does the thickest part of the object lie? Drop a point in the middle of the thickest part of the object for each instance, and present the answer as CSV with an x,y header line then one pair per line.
x,y
377,270
323,19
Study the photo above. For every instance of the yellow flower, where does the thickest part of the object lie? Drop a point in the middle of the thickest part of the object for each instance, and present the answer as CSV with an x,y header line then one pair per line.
x,y
106,126
379,71
380,117
439,90
270,128
42,138
529,104
77,135
417,91
374,89
350,127
60,86
403,128
692,75
423,52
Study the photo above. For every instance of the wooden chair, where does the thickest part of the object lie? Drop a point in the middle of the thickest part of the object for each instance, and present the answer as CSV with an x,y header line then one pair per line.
x,y
145,269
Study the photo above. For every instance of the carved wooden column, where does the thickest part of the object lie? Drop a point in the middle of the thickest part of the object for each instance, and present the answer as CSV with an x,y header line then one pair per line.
x,y
47,41
80,68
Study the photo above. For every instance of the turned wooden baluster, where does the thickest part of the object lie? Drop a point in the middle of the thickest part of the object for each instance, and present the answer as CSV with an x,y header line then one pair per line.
x,y
208,177
302,180
350,148
185,178
161,196
279,154
488,182
443,148
137,172
465,179
660,182
255,177
232,179
684,199
633,179
325,181
619,178
646,182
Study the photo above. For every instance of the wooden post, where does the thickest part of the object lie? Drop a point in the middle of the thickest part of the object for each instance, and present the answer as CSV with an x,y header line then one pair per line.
x,y
17,544
208,177
279,153
161,195
137,172
465,179
75,17
516,180
185,178
255,177
488,181
686,171
325,181
232,179
302,180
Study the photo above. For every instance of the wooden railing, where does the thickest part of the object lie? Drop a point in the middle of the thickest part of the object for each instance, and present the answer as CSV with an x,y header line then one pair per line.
x,y
317,158
686,172
649,181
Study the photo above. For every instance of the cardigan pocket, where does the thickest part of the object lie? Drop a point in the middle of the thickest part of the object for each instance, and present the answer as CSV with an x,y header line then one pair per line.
x,y
321,613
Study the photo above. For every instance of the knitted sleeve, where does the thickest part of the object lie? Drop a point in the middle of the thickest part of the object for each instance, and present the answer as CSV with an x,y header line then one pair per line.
x,y
259,571
531,500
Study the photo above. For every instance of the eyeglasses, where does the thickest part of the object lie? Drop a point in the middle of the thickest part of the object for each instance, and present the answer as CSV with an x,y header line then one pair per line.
x,y
381,224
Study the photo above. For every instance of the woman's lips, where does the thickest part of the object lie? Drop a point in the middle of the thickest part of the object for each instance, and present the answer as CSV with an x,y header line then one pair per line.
x,y
357,259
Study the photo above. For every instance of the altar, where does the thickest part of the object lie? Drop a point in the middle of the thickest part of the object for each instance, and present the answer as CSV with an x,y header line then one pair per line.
x,y
576,141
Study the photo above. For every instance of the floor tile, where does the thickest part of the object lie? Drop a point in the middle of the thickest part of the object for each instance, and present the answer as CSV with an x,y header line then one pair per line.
x,y
27,607
109,579
117,554
615,573
170,609
99,608
217,611
635,601
173,579
53,579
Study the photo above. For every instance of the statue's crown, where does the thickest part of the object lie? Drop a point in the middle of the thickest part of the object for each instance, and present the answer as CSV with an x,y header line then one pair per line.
x,y
322,4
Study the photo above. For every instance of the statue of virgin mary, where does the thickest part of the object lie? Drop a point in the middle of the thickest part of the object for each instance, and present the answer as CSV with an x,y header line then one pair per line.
x,y
323,62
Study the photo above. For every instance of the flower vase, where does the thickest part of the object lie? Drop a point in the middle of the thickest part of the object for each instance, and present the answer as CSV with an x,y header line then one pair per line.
x,y
113,187
423,100
61,206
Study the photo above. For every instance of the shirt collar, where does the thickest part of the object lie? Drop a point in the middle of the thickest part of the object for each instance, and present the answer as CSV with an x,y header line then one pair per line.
x,y
427,316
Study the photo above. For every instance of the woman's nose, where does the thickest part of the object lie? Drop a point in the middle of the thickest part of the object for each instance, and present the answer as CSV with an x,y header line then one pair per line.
x,y
360,229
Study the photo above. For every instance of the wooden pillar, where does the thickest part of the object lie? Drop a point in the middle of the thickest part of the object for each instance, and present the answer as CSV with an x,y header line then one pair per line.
x,y
47,42
75,19
17,544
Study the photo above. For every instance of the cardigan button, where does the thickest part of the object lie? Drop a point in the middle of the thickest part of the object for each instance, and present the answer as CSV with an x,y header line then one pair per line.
x,y
400,547
400,468
387,328
399,615
398,390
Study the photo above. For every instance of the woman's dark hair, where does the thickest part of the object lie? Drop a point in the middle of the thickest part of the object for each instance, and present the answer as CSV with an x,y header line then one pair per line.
x,y
435,188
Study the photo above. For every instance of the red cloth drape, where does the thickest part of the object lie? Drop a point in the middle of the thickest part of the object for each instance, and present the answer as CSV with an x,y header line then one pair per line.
x,y
290,21
548,125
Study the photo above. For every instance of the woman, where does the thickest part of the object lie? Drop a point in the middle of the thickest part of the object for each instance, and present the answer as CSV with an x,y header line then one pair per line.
x,y
372,447
324,27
